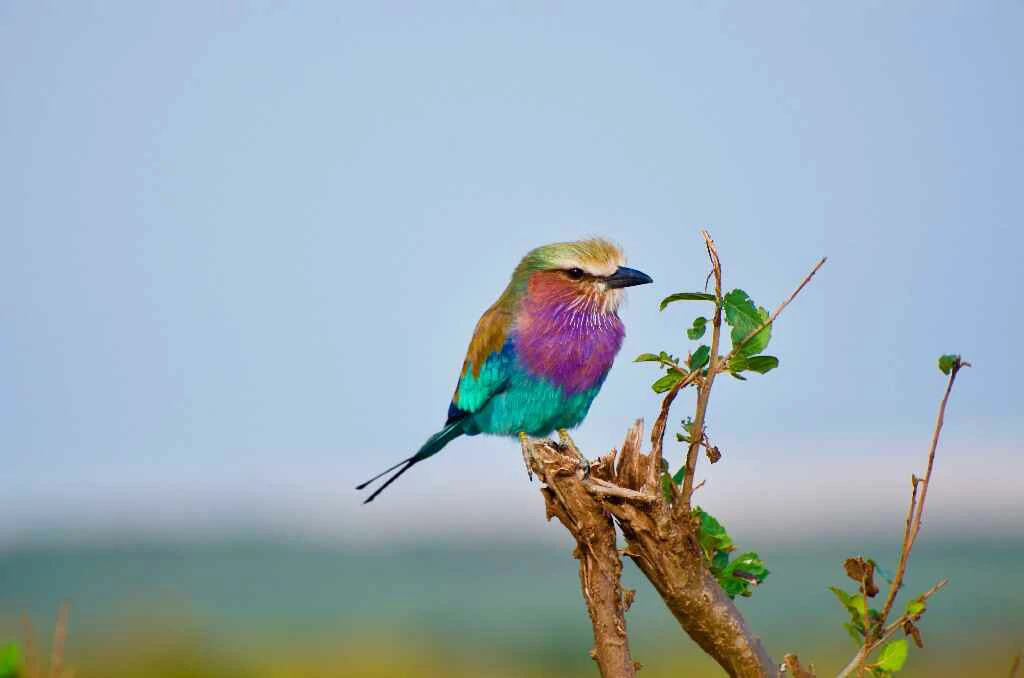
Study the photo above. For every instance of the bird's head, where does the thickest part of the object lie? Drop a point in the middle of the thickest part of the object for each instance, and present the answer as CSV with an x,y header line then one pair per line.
x,y
585,272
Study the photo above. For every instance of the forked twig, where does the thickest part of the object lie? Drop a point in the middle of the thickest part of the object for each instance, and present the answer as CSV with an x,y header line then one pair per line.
x,y
875,635
716,364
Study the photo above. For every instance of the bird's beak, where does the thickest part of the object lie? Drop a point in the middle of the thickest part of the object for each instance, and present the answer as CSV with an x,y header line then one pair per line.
x,y
627,277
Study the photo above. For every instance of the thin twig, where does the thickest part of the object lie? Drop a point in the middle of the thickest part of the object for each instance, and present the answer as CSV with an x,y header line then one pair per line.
x,y
901,566
658,431
872,638
775,314
898,624
60,634
704,387
1015,665
917,508
857,663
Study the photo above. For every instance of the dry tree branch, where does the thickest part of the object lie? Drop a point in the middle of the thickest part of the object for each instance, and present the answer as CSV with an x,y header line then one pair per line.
x,y
875,636
567,499
665,549
662,537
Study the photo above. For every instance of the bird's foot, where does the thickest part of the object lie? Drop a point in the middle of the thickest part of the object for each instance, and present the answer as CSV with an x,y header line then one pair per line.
x,y
524,443
566,443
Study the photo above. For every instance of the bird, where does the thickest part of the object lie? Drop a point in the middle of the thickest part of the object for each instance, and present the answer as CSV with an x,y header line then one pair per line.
x,y
540,353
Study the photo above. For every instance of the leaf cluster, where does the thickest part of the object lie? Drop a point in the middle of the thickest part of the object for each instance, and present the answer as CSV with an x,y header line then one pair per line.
x,y
864,618
736,575
742,316
947,362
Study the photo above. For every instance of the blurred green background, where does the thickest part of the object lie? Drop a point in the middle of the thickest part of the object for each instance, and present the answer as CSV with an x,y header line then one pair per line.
x,y
260,609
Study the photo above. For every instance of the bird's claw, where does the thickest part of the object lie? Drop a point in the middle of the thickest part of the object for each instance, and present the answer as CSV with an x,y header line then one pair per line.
x,y
566,444
584,465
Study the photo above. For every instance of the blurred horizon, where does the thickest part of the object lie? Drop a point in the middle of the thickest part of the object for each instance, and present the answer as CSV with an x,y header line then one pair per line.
x,y
746,497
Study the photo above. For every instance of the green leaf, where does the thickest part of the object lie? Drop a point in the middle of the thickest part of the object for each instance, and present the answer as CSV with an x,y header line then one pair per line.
x,y
712,534
748,570
749,563
742,574
700,357
686,296
735,587
647,358
737,363
679,475
855,605
762,363
860,605
666,488
738,577
843,596
855,634
10,660
667,381
915,607
700,326
894,656
744,317
947,362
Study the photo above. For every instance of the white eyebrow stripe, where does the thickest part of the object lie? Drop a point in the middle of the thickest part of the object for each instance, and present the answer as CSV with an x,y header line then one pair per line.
x,y
601,270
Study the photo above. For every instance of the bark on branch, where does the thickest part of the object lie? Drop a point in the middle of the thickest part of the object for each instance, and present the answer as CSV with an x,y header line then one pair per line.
x,y
665,549
568,499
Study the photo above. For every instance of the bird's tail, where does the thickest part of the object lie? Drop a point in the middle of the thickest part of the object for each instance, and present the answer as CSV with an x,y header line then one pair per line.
x,y
433,445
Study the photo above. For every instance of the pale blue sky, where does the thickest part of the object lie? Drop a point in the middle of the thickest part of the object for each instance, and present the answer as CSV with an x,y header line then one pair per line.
x,y
243,245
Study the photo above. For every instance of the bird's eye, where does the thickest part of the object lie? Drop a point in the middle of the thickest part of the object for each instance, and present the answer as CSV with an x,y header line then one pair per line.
x,y
575,273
